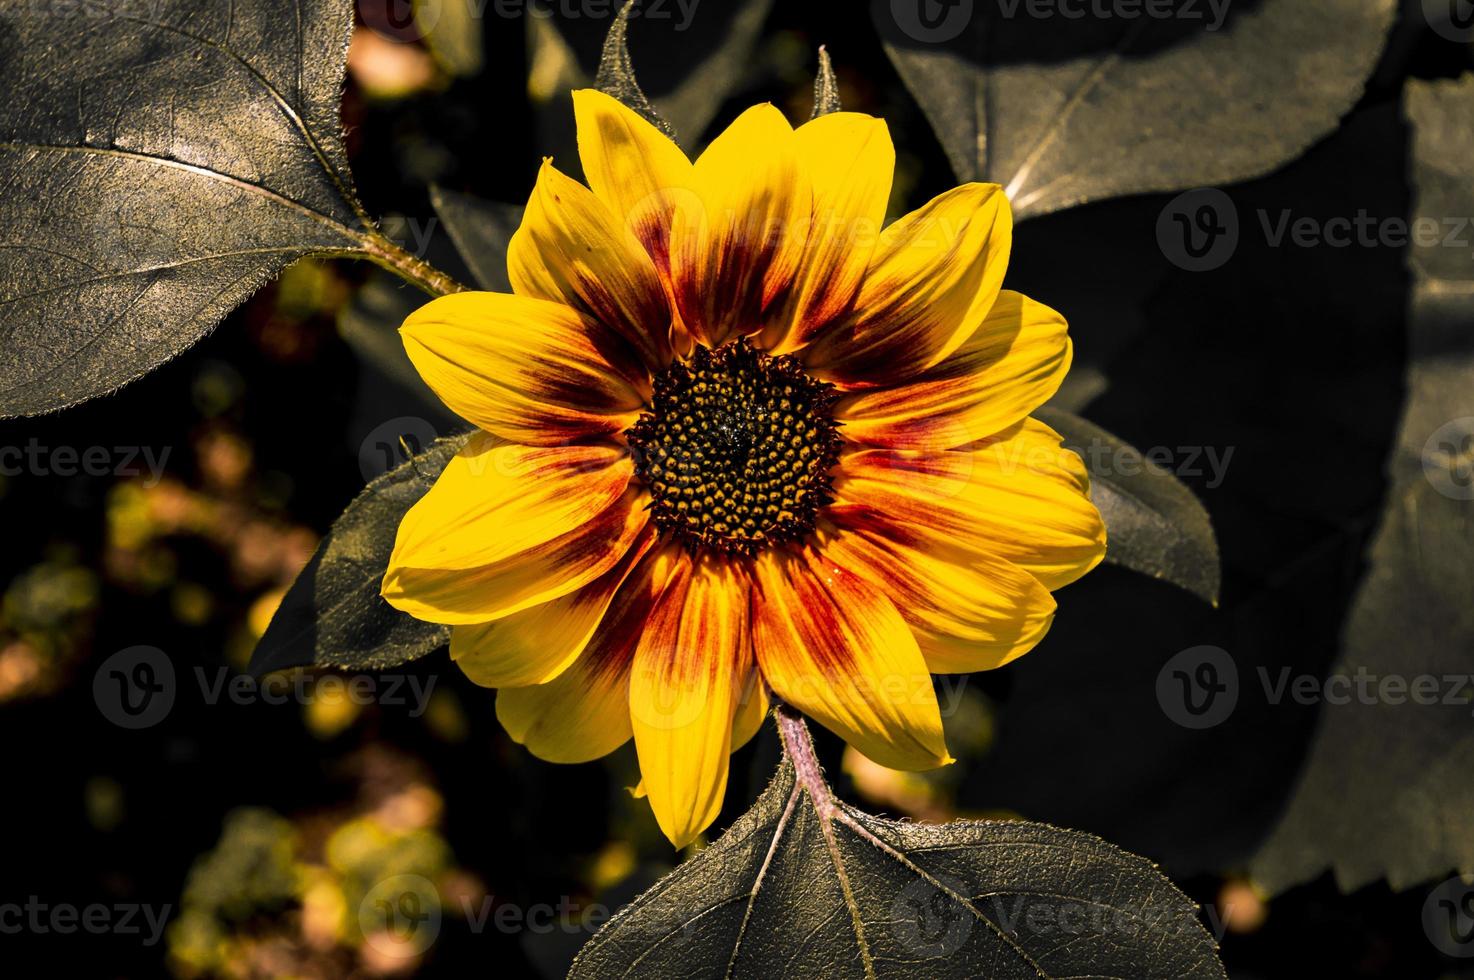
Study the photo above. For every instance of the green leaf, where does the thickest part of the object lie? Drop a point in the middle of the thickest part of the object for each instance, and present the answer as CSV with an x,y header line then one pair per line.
x,y
805,885
1411,617
1063,111
333,615
481,231
1154,524
699,53
160,163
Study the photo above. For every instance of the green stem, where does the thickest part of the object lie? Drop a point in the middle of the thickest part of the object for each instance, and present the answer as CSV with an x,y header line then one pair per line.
x,y
410,268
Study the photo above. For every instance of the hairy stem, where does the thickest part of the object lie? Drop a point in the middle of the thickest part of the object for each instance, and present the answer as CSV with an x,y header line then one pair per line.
x,y
410,268
800,748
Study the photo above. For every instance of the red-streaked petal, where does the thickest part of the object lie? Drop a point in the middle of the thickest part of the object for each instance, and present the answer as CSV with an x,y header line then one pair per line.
x,y
931,281
832,645
506,527
528,370
968,612
1010,366
848,160
1019,497
537,575
633,168
537,644
584,713
685,690
494,500
736,245
572,249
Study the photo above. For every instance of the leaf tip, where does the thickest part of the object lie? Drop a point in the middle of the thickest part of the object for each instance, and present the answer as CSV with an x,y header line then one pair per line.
x,y
826,87
616,73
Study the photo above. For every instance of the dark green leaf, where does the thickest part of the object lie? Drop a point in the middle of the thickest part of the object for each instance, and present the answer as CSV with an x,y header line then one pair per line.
x,y
697,55
160,161
333,616
826,88
1411,617
1155,524
1292,360
481,231
1061,111
809,887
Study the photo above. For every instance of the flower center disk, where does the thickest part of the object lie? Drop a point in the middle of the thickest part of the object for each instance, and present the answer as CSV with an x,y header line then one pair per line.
x,y
736,449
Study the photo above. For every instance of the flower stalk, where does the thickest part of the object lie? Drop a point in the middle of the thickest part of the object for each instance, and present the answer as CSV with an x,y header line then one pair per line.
x,y
799,745
411,268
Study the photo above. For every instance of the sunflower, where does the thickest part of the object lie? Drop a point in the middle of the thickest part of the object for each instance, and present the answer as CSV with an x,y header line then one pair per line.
x,y
737,440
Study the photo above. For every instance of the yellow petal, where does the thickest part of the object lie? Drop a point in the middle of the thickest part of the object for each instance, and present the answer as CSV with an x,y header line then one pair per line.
x,y
495,499
539,574
579,716
537,644
684,693
584,713
848,160
752,704
932,279
832,645
968,612
1019,497
1010,366
752,711
633,168
737,245
528,370
572,249
506,527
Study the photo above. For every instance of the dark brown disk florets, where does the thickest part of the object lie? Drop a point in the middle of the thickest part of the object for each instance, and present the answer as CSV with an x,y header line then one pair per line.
x,y
736,449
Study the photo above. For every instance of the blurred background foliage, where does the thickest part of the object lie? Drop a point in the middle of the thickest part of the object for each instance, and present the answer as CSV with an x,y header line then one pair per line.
x,y
266,826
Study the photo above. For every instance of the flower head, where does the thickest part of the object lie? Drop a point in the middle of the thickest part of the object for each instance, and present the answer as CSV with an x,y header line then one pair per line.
x,y
740,440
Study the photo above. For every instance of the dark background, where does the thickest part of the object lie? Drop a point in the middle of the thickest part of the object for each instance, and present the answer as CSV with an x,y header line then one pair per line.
x,y
264,421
